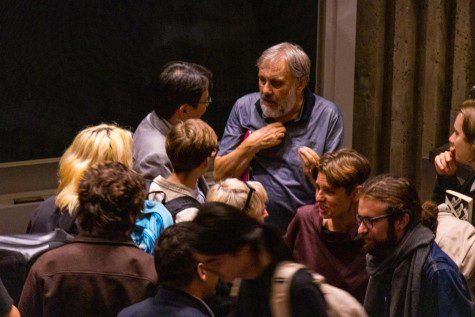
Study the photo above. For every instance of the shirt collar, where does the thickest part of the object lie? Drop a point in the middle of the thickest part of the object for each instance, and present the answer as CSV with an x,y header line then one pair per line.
x,y
305,111
161,124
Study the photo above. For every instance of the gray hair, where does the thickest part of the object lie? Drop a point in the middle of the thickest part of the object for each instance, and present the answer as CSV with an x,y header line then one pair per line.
x,y
295,57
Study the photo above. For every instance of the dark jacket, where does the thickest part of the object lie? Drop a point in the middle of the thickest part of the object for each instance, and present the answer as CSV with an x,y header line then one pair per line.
x,y
451,182
88,277
48,216
6,301
443,289
169,302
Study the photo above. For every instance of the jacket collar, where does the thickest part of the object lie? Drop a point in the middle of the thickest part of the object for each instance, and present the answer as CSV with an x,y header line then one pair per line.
x,y
159,123
84,237
181,298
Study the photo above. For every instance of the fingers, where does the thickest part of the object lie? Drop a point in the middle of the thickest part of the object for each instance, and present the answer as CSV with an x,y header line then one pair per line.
x,y
309,156
309,160
440,164
445,163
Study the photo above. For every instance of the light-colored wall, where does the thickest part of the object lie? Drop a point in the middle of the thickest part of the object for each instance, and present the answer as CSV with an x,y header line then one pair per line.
x,y
336,57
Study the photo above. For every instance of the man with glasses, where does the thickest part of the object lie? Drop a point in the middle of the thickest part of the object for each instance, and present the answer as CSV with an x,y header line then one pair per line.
x,y
409,274
180,92
291,127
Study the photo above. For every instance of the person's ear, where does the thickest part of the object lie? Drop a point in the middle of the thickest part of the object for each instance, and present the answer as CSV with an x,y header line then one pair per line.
x,y
355,193
183,111
401,223
201,272
301,84
206,163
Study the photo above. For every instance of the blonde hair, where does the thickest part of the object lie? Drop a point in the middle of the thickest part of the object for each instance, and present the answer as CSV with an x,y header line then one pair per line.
x,y
100,143
234,192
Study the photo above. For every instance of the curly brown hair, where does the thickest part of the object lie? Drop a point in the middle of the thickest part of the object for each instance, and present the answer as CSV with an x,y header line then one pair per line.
x,y
110,197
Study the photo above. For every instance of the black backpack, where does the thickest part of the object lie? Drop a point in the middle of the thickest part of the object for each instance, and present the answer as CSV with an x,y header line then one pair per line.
x,y
176,205
19,252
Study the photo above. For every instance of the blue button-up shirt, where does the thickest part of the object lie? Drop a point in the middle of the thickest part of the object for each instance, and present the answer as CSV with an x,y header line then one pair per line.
x,y
319,127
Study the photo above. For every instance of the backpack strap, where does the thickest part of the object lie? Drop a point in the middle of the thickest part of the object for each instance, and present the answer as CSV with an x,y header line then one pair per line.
x,y
178,204
158,195
339,302
280,288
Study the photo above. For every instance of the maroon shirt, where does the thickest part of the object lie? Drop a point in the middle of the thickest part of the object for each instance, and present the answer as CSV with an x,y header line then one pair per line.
x,y
337,256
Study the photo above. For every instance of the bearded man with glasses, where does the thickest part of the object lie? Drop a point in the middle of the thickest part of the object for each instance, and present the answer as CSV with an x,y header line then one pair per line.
x,y
409,274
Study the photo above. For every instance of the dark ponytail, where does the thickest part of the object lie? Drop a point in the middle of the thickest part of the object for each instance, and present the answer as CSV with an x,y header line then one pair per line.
x,y
429,215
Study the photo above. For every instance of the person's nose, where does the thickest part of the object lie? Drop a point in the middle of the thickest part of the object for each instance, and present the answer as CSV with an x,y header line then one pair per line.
x,y
267,89
319,196
452,138
266,213
362,230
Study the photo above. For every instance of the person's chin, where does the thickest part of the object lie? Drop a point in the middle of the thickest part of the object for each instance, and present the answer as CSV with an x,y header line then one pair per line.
x,y
324,213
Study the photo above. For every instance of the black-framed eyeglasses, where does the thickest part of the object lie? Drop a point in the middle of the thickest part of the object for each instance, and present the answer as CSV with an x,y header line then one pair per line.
x,y
207,102
248,199
369,221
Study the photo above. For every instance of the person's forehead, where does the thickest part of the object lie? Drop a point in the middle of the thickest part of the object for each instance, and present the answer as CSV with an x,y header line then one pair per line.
x,y
322,180
277,67
204,258
369,207
458,123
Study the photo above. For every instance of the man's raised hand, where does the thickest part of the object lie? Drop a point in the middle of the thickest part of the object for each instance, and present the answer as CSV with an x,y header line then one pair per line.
x,y
266,137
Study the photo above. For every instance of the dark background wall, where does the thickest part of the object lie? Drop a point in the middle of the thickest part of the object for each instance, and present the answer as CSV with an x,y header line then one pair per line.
x,y
415,64
65,65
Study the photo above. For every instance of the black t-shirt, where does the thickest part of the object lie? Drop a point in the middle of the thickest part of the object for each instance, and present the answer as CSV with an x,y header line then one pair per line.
x,y
6,301
306,298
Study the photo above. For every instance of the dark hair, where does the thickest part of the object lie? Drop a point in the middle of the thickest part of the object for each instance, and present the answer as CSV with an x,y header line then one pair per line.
x,y
110,197
429,215
222,228
178,83
174,256
398,193
344,168
190,143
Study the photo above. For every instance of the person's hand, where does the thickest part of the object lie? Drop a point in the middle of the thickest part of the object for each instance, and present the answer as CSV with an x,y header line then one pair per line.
x,y
266,137
445,163
309,160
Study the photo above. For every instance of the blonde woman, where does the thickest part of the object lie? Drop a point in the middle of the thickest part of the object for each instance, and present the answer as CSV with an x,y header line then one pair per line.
x,y
249,197
103,142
